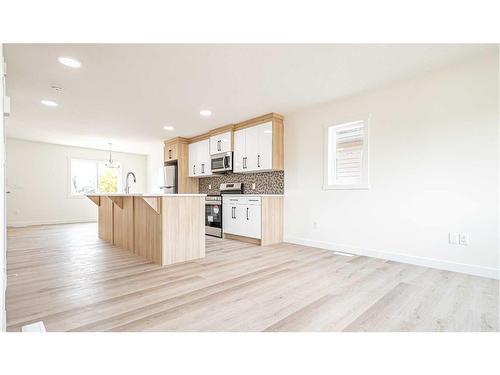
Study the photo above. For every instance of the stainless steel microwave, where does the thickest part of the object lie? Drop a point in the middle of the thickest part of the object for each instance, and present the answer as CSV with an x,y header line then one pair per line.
x,y
222,163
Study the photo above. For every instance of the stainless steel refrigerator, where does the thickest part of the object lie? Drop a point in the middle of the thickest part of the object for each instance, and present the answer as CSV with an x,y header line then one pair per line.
x,y
170,179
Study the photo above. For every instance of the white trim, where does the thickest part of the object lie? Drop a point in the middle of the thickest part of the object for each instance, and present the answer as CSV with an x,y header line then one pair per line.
x,y
17,224
365,172
470,269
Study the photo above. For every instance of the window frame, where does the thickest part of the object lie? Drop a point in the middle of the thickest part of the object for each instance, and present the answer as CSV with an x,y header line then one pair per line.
x,y
96,164
365,167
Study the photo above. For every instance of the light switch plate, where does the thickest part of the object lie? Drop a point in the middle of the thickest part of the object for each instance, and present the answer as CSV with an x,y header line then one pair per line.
x,y
253,186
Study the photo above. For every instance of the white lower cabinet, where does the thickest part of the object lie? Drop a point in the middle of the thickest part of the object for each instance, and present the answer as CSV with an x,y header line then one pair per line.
x,y
242,216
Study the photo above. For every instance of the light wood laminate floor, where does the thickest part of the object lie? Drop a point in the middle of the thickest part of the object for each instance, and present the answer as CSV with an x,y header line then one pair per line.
x,y
66,277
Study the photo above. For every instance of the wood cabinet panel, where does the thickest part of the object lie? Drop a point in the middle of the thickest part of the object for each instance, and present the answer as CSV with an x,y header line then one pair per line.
x,y
147,231
183,228
123,224
105,221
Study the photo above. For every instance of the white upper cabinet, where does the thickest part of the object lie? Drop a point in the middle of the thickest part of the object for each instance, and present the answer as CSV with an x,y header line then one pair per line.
x,y
220,143
239,151
253,148
199,159
193,160
265,146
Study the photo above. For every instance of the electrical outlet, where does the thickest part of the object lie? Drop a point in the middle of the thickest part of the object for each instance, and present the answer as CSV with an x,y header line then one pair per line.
x,y
209,186
453,238
253,186
463,239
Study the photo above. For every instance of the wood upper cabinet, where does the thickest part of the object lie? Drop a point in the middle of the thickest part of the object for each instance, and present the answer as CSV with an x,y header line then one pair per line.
x,y
220,143
176,153
257,148
199,159
170,151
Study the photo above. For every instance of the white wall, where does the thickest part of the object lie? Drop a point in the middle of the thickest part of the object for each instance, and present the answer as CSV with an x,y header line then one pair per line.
x,y
434,165
154,165
38,179
2,201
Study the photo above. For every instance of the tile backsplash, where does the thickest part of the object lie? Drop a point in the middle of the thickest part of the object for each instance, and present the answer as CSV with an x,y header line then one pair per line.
x,y
265,182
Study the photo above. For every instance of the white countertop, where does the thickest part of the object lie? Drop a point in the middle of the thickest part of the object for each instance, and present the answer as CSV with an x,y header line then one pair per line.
x,y
144,195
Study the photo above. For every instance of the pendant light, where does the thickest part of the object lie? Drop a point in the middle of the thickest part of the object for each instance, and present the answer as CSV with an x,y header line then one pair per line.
x,y
111,163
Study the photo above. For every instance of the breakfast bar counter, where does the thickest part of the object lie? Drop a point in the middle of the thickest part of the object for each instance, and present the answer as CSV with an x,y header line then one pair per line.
x,y
164,228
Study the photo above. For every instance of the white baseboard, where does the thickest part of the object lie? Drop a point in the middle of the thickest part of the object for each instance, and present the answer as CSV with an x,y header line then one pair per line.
x,y
17,224
488,272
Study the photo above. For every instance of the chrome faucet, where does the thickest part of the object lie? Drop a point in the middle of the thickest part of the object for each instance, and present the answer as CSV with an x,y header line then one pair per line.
x,y
127,186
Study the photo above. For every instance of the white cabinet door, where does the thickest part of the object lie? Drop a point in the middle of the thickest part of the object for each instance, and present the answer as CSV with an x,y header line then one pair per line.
x,y
239,150
233,219
225,142
204,158
193,159
253,221
228,222
220,143
251,148
265,140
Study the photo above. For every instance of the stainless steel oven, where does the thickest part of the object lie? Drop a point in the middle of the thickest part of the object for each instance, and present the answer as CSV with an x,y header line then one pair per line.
x,y
222,163
213,215
213,208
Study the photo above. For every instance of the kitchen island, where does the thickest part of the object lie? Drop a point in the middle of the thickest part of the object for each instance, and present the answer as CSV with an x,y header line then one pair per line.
x,y
164,228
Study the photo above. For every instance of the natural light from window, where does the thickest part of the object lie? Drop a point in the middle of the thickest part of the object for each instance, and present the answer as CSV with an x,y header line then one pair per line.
x,y
92,176
346,154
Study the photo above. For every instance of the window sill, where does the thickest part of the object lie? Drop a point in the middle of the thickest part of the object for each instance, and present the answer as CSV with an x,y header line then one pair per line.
x,y
346,187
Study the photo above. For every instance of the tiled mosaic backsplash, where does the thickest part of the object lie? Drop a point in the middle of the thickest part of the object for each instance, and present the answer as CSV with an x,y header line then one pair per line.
x,y
265,182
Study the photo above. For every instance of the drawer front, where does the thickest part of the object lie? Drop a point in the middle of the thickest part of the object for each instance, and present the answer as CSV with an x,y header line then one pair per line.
x,y
233,200
242,200
255,201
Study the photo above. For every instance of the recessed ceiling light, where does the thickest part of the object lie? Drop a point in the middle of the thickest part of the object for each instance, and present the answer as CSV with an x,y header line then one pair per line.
x,y
205,112
49,103
168,127
69,61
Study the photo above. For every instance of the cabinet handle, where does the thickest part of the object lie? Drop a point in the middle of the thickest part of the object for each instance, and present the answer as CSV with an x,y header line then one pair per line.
x,y
245,162
247,213
170,154
233,213
194,169
258,161
202,168
218,145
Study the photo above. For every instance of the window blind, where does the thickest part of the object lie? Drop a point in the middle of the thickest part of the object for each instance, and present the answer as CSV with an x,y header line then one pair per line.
x,y
348,141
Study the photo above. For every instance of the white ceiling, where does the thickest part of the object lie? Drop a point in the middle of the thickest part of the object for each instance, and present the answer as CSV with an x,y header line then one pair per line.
x,y
125,94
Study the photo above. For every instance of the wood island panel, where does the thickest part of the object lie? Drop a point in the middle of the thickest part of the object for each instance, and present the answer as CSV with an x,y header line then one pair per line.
x,y
105,227
272,220
147,231
183,229
123,224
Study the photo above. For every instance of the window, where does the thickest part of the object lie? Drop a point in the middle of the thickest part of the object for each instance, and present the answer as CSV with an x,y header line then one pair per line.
x,y
346,156
91,176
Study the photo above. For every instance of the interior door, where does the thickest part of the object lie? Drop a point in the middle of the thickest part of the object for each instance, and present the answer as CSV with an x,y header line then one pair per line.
x,y
252,148
265,153
239,150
